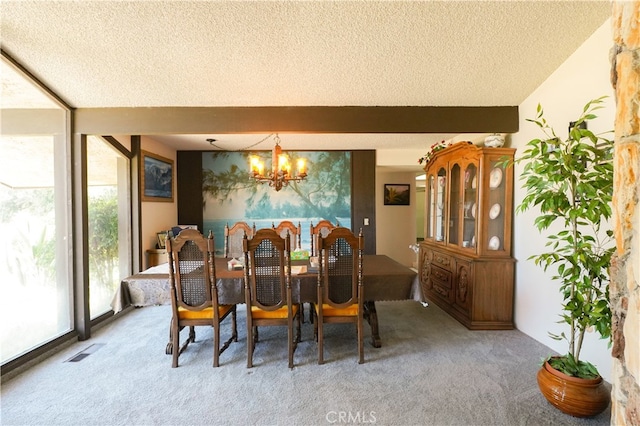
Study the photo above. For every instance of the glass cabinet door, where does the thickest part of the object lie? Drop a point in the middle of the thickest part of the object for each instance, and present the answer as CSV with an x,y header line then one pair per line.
x,y
495,207
470,206
440,199
454,206
430,218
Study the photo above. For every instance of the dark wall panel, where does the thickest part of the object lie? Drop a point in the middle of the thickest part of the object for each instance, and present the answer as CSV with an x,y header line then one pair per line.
x,y
363,196
189,183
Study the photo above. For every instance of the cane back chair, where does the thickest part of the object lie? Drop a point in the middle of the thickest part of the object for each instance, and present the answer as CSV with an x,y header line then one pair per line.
x,y
294,231
233,238
194,295
267,290
340,285
287,227
321,229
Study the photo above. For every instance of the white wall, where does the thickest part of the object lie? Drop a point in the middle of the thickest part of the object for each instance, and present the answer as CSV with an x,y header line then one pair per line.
x,y
395,225
584,76
158,216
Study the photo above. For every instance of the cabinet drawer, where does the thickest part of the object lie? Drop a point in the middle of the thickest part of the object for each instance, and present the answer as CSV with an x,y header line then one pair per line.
x,y
441,282
441,275
444,261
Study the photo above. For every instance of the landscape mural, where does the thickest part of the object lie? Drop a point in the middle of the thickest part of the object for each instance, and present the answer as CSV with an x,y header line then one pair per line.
x,y
230,195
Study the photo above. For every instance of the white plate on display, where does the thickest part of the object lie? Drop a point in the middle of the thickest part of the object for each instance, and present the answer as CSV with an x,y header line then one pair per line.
x,y
495,177
495,211
473,210
494,243
474,182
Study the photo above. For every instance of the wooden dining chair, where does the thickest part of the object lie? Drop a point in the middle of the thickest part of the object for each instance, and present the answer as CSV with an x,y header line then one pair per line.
x,y
268,296
284,227
233,238
294,231
340,285
194,295
322,228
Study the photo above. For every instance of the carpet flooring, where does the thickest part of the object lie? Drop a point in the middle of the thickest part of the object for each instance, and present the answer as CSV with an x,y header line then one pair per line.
x,y
430,370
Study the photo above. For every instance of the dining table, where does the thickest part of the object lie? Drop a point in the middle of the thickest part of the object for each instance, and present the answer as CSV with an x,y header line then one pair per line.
x,y
384,279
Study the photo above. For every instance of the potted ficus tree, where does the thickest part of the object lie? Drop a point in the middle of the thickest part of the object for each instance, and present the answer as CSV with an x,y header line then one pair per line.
x,y
571,182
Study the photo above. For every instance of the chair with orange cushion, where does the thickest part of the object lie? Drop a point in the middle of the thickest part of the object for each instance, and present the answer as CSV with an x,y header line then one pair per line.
x,y
287,227
233,238
321,229
194,295
294,231
340,285
267,290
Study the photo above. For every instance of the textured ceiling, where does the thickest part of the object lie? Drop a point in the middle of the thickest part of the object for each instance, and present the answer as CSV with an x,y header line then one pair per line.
x,y
285,53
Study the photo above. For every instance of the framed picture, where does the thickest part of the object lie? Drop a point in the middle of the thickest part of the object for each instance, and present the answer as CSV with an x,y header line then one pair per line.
x,y
396,194
156,178
162,240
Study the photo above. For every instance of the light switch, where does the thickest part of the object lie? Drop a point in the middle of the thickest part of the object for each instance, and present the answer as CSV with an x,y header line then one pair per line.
x,y
366,221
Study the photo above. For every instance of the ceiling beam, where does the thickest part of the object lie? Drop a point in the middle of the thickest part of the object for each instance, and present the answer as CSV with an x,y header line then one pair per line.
x,y
301,119
33,121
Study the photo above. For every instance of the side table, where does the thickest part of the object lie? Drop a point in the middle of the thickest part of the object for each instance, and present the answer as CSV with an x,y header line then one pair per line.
x,y
156,257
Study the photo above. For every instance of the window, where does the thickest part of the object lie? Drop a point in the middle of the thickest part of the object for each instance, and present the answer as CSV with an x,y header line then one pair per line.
x,y
109,222
34,218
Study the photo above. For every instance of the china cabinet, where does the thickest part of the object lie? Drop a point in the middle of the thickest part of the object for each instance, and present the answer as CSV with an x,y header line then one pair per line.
x,y
466,266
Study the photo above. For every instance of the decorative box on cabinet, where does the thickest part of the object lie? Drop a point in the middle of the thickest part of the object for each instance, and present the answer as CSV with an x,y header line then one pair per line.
x,y
466,266
156,257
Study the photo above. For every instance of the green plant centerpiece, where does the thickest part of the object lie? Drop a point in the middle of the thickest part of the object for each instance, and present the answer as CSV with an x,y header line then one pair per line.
x,y
571,181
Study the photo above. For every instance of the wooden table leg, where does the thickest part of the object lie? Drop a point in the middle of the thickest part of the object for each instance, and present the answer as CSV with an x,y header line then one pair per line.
x,y
371,316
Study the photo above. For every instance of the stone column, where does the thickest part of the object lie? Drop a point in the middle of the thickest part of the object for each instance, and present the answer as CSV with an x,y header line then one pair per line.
x,y
625,269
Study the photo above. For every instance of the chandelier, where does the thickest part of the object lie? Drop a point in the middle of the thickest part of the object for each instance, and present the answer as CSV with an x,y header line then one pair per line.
x,y
280,174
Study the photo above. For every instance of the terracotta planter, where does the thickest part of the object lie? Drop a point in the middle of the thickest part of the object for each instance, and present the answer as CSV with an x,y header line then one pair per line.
x,y
572,395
